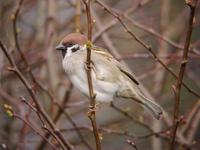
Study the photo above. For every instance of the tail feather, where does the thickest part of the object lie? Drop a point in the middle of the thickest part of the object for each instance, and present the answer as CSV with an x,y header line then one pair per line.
x,y
154,108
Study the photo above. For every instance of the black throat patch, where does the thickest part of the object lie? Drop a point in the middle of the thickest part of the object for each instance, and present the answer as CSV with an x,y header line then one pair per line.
x,y
64,52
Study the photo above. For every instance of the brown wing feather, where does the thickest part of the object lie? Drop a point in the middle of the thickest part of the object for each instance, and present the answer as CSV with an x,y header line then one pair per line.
x,y
104,52
130,76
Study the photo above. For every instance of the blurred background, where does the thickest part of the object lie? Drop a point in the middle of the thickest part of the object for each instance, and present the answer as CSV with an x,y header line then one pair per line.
x,y
30,31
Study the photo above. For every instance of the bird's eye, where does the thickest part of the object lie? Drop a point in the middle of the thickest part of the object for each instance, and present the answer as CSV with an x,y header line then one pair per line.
x,y
75,48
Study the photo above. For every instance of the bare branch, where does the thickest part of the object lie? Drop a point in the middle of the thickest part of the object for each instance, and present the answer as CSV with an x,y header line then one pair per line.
x,y
30,90
182,71
147,47
35,130
91,111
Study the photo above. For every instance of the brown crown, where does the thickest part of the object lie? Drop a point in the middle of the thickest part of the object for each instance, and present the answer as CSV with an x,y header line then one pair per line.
x,y
75,38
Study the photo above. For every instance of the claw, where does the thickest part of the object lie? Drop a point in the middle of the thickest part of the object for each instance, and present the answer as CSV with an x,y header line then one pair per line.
x,y
92,109
87,66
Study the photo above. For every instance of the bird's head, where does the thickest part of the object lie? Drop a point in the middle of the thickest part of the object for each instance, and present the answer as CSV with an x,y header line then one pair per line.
x,y
71,43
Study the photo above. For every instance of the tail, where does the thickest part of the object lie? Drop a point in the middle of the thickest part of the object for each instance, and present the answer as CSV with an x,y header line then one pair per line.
x,y
154,108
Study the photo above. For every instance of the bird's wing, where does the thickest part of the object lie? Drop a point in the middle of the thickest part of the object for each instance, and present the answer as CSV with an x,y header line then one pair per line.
x,y
121,67
102,51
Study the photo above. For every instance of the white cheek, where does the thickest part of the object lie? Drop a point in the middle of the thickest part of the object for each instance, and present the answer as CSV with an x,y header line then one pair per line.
x,y
69,52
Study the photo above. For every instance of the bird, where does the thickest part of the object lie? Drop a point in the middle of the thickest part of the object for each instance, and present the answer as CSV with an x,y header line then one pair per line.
x,y
110,78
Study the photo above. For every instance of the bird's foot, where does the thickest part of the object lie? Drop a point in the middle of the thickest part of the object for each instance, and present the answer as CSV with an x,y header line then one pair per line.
x,y
92,109
87,66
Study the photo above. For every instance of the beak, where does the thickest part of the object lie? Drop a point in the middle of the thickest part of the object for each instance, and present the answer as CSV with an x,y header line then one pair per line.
x,y
60,47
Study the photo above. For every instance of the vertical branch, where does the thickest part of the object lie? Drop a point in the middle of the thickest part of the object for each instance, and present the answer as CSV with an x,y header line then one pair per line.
x,y
91,111
78,16
15,30
192,5
50,35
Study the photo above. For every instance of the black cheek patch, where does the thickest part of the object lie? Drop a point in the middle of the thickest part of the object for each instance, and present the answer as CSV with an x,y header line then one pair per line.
x,y
75,49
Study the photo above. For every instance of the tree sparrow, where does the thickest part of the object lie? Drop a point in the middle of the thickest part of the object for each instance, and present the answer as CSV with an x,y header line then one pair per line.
x,y
110,79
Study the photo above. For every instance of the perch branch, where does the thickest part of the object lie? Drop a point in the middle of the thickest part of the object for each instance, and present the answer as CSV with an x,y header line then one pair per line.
x,y
192,5
91,111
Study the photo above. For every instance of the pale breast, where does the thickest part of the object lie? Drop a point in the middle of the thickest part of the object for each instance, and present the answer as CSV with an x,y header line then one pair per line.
x,y
105,77
73,63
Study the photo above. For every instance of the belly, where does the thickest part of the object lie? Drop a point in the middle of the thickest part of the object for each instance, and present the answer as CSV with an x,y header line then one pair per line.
x,y
104,90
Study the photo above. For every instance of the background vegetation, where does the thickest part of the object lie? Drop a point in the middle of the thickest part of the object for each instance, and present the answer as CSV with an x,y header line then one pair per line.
x,y
40,109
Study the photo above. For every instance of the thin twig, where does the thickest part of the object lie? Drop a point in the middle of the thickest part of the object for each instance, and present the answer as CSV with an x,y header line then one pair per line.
x,y
147,56
129,31
192,5
15,16
148,47
162,134
28,68
30,90
33,109
35,130
55,136
132,143
118,132
144,28
130,117
188,127
7,98
75,126
57,116
159,78
115,21
158,35
29,87
15,29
